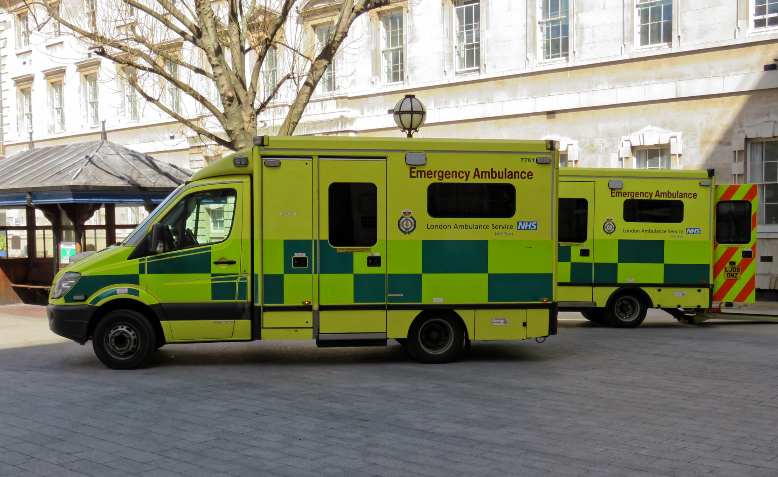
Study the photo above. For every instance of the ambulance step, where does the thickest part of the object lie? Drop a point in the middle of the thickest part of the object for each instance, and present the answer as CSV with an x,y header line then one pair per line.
x,y
339,340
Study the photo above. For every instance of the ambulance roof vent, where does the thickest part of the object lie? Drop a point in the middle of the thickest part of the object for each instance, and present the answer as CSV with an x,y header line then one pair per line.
x,y
416,158
615,184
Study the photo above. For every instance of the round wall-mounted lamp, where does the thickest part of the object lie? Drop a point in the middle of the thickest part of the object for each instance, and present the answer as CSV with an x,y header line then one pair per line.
x,y
409,114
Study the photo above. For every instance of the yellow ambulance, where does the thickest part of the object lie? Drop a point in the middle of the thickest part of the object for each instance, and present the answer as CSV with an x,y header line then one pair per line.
x,y
630,240
345,241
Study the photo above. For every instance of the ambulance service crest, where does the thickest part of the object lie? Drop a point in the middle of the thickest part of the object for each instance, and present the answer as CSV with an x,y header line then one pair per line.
x,y
609,227
407,223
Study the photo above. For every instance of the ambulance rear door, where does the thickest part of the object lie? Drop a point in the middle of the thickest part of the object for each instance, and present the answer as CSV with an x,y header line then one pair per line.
x,y
734,269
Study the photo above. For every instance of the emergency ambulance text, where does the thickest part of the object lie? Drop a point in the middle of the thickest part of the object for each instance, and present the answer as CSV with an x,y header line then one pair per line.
x,y
465,175
648,194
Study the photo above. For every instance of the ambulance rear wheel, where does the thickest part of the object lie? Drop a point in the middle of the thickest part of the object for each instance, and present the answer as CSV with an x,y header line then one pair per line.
x,y
626,310
123,339
436,338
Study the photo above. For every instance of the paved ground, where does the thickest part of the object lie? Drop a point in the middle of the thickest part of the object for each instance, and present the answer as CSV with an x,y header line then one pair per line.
x,y
665,399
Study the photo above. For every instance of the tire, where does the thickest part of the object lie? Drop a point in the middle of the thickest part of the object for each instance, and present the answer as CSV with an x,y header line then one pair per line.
x,y
124,339
436,338
595,315
626,310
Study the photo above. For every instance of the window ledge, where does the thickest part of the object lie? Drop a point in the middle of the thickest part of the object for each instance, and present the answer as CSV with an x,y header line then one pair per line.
x,y
24,50
654,47
468,72
57,40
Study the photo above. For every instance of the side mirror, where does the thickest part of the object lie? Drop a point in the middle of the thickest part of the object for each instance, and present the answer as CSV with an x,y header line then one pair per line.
x,y
157,244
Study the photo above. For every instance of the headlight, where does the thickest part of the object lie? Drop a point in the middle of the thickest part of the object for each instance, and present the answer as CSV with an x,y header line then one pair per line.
x,y
65,283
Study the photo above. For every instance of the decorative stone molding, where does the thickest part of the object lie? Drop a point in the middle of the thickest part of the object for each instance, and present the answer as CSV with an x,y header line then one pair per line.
x,y
651,136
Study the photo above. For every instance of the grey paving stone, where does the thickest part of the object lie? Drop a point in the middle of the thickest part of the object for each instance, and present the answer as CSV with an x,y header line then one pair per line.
x,y
663,399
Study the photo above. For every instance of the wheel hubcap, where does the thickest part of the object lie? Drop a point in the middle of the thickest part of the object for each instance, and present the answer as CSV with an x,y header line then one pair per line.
x,y
436,336
121,341
627,308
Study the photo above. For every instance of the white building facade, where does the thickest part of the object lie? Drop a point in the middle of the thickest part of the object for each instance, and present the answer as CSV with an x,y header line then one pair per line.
x,y
620,83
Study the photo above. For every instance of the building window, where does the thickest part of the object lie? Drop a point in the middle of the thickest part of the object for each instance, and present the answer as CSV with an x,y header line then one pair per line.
x,y
765,13
56,107
91,96
353,214
172,93
270,71
763,170
22,30
90,10
467,15
554,26
55,29
129,95
13,233
24,111
471,201
653,158
655,22
323,35
393,46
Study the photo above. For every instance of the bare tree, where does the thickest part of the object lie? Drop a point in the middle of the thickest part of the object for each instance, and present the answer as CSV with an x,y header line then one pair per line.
x,y
219,46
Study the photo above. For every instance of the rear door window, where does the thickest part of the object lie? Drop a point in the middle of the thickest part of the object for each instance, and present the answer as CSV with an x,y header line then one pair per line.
x,y
733,222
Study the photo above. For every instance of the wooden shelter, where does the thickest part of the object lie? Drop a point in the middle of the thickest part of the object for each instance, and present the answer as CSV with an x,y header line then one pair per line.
x,y
49,198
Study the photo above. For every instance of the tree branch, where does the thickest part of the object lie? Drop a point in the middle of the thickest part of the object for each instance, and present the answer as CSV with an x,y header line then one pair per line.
x,y
186,122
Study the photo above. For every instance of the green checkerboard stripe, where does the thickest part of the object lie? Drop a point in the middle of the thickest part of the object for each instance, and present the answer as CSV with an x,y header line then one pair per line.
x,y
681,262
429,271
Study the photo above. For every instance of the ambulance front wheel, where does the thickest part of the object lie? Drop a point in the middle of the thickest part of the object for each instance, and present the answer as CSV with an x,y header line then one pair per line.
x,y
436,338
123,339
626,310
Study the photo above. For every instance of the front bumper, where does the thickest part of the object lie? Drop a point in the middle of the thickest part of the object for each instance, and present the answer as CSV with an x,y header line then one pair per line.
x,y
70,321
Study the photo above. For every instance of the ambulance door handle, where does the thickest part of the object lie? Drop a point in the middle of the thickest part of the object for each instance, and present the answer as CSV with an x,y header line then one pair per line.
x,y
584,252
224,261
747,254
373,260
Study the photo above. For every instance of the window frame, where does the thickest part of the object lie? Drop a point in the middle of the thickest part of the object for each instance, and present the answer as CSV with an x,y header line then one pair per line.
x,y
476,30
761,182
543,24
330,205
270,71
172,93
645,150
638,221
643,4
753,17
91,105
430,191
386,46
23,31
328,82
57,105
24,123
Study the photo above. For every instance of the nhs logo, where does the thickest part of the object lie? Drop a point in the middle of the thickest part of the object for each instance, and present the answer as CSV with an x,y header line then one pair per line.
x,y
693,231
527,225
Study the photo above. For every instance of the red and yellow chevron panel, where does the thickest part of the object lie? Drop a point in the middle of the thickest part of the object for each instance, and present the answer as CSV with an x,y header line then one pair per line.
x,y
734,272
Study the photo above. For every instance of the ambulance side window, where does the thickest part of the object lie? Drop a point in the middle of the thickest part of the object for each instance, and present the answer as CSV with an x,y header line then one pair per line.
x,y
201,218
471,201
573,220
733,222
353,212
653,211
